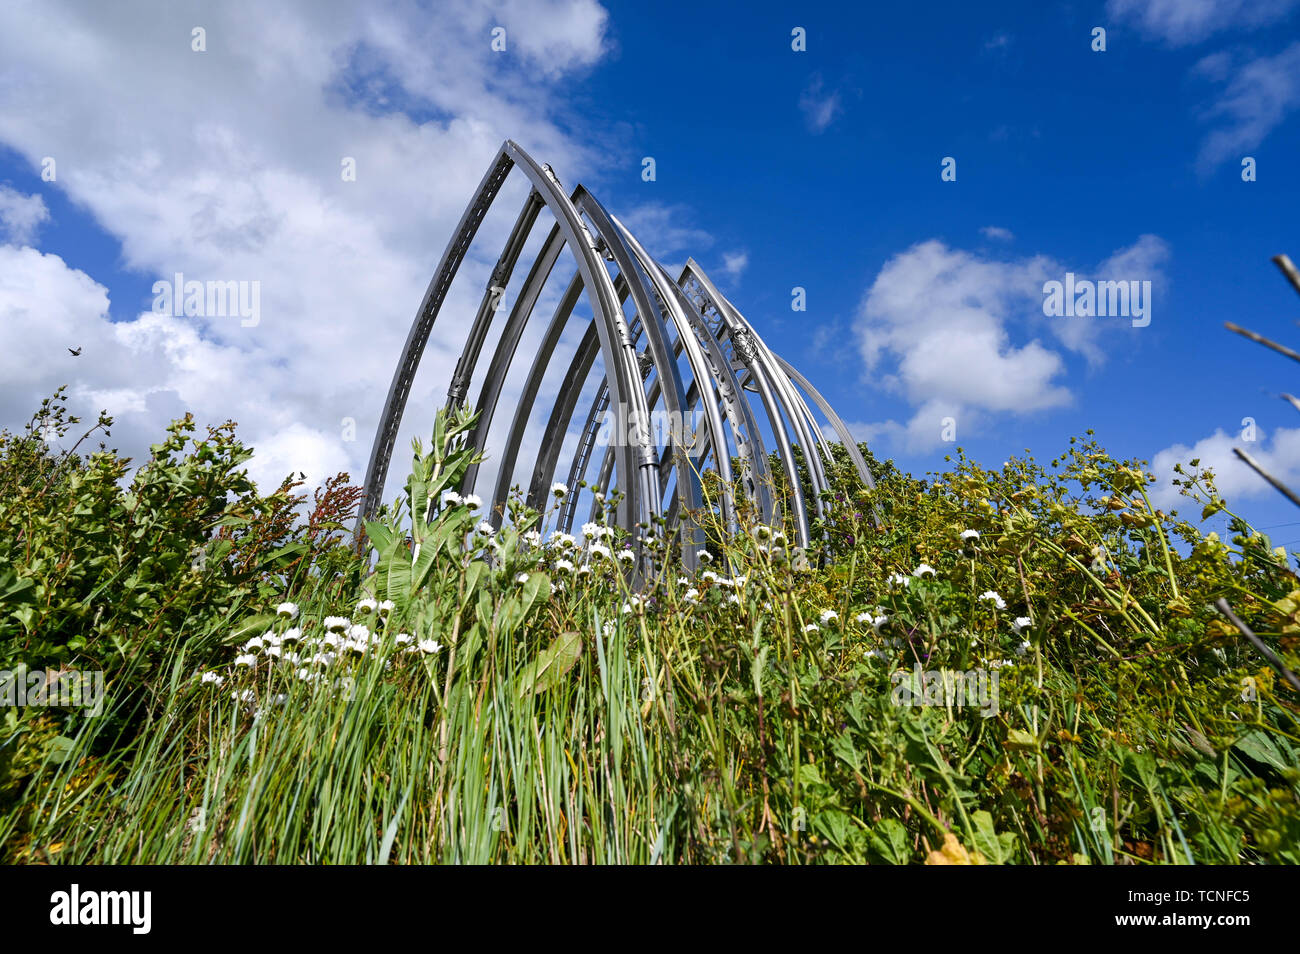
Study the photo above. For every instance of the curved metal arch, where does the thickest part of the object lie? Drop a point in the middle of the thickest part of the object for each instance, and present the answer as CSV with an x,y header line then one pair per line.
x,y
683,319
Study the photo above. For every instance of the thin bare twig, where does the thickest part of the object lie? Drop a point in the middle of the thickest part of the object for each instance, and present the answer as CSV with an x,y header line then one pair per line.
x,y
1260,339
1291,399
1273,659
1289,270
1277,484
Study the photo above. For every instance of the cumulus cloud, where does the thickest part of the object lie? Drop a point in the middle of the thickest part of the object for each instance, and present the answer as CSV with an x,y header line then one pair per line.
x,y
230,170
1183,22
1279,455
959,335
20,216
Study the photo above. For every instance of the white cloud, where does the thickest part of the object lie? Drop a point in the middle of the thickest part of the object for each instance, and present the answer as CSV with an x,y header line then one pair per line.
x,y
20,216
229,169
1182,22
1258,97
820,107
997,232
1234,480
957,335
734,264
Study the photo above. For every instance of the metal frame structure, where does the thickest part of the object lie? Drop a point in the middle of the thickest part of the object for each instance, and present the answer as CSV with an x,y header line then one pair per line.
x,y
683,344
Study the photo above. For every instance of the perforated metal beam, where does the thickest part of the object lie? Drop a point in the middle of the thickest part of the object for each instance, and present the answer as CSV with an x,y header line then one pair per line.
x,y
683,349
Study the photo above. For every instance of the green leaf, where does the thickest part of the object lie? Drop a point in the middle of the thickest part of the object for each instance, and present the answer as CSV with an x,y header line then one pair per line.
x,y
552,665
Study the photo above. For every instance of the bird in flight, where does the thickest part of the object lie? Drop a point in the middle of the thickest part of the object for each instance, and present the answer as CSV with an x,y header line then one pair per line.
x,y
73,352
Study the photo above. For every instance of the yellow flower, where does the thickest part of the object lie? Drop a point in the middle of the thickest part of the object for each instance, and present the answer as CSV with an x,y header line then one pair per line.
x,y
952,853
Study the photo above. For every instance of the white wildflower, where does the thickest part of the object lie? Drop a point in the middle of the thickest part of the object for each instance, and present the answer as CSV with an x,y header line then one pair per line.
x,y
829,616
990,597
289,610
560,491
246,660
429,646
1021,624
213,678
923,570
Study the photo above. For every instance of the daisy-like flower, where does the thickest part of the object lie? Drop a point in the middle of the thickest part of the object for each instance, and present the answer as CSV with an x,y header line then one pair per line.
x,y
473,501
291,635
990,597
429,646
864,618
778,539
923,570
762,531
562,540
970,535
337,624
559,491
287,610
626,556
485,528
1024,647
532,538
692,596
734,598
564,566
385,607
709,575
521,579
584,570
359,633
248,659
898,579
811,628
599,550
257,642
451,499
212,677
590,530
273,652
248,695
404,639
705,556
367,606
1020,624
829,616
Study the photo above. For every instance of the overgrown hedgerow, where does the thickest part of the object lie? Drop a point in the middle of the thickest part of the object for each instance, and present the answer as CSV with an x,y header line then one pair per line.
x,y
458,693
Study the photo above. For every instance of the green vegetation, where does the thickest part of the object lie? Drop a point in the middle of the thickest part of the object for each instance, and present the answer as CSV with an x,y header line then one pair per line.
x,y
453,694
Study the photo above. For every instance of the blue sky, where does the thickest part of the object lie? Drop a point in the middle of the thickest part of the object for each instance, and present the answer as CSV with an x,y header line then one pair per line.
x,y
774,168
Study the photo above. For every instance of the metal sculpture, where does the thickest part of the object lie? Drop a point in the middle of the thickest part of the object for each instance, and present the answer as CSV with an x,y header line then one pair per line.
x,y
641,354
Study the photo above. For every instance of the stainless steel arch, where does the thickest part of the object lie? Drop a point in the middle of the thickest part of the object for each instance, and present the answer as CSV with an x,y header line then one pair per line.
x,y
684,347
